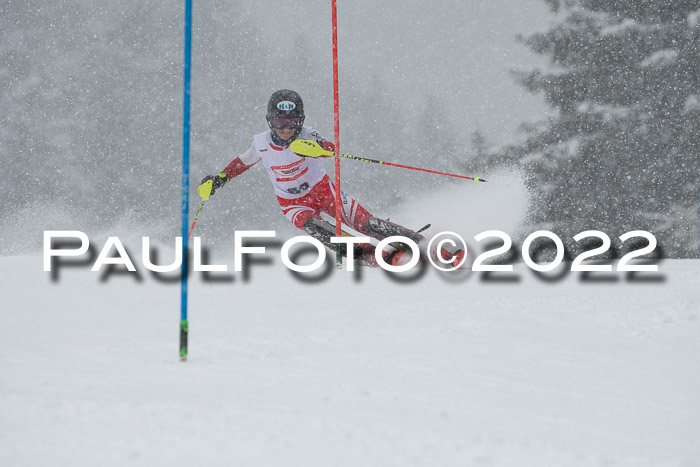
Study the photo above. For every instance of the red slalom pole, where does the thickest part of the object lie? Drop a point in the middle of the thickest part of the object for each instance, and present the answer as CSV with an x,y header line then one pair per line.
x,y
336,118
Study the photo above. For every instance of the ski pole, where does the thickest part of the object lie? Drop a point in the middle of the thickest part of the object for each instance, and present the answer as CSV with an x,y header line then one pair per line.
x,y
195,219
308,148
205,192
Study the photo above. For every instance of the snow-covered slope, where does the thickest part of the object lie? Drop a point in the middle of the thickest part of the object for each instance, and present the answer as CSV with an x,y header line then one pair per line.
x,y
354,369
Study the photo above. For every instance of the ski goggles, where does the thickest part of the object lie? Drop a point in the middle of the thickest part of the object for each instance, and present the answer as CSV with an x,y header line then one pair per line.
x,y
280,123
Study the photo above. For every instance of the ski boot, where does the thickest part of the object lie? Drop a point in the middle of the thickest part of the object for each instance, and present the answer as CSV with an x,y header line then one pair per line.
x,y
368,258
381,229
323,231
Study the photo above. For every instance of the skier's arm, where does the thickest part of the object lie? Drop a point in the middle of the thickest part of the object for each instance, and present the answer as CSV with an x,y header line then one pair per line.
x,y
236,167
241,163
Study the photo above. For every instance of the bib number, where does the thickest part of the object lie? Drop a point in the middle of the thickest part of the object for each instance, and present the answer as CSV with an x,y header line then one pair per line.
x,y
301,188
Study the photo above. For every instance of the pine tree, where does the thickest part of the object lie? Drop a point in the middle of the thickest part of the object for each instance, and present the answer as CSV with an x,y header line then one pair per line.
x,y
623,152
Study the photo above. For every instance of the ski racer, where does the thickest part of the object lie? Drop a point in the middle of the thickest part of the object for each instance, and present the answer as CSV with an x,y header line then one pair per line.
x,y
302,186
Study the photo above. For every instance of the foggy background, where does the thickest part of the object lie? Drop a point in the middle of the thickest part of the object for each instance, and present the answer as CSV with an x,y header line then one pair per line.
x,y
593,104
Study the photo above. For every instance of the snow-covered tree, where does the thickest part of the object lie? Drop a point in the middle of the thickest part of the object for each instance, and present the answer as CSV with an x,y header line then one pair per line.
x,y
623,149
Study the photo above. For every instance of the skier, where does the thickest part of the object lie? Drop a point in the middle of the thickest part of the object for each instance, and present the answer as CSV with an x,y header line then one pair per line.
x,y
302,185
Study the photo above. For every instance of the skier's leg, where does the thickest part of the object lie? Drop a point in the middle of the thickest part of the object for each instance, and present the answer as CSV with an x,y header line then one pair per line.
x,y
297,212
352,213
357,217
304,213
323,231
300,210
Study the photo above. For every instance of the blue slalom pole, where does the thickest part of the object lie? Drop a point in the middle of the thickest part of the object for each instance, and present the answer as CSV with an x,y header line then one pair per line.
x,y
185,179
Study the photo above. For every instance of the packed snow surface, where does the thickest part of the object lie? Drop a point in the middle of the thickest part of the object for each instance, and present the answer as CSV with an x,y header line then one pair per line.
x,y
348,369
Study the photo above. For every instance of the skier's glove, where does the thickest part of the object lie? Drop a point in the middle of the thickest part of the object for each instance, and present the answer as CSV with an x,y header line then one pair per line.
x,y
328,146
211,183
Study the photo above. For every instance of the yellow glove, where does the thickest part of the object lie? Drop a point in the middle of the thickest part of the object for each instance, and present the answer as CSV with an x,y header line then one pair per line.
x,y
210,184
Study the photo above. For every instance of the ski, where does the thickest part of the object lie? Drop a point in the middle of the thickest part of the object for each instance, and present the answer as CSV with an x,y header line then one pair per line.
x,y
383,229
399,252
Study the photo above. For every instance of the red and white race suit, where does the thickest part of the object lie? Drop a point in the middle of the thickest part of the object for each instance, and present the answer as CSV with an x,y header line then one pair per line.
x,y
302,185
